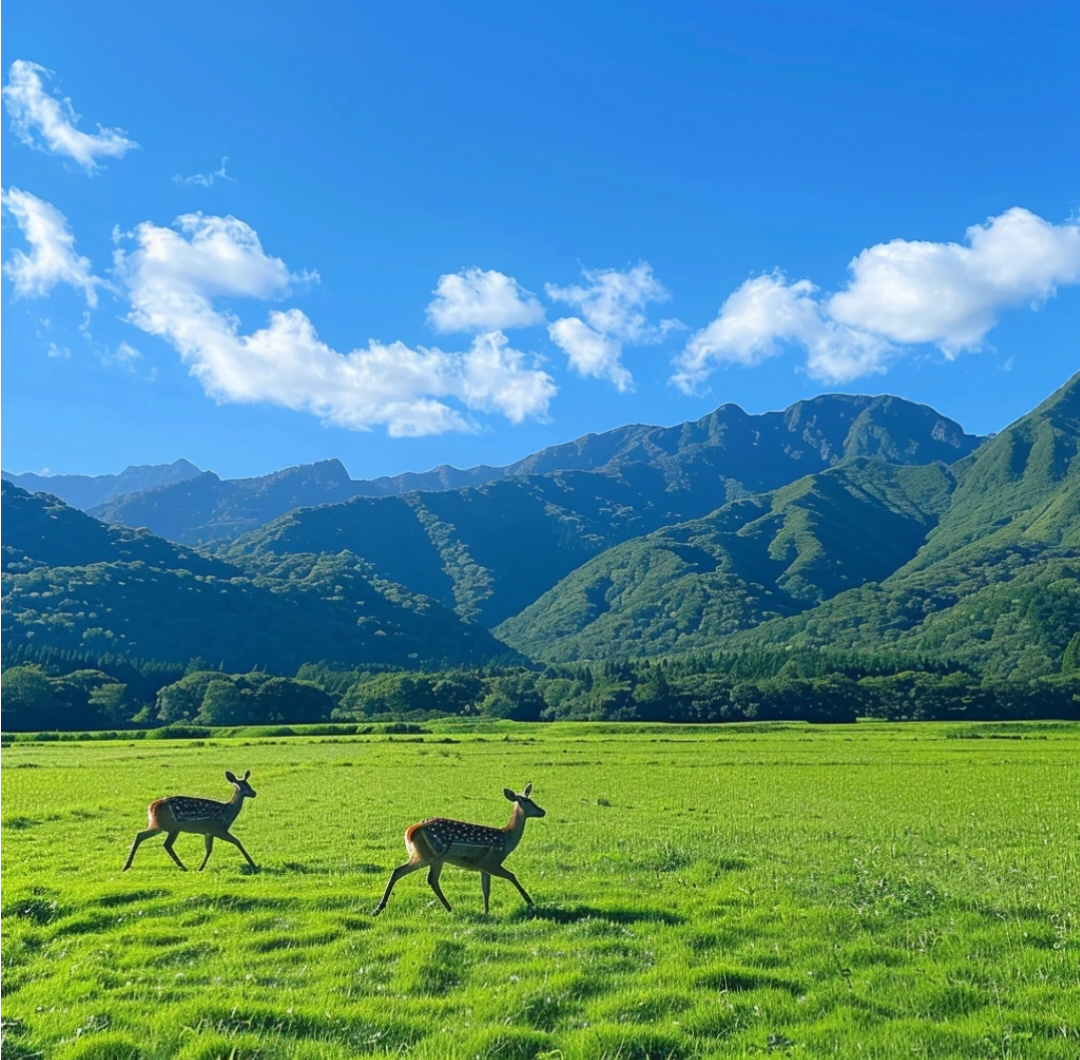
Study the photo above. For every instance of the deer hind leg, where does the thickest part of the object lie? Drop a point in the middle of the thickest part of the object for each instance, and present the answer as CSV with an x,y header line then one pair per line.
x,y
209,851
169,840
433,881
506,874
230,838
146,834
485,887
401,870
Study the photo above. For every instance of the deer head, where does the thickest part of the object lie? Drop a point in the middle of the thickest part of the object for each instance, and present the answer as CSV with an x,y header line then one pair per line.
x,y
243,788
529,808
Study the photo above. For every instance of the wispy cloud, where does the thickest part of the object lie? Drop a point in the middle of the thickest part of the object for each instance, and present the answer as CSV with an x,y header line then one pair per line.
x,y
124,356
613,304
52,258
900,294
174,275
47,122
479,300
205,180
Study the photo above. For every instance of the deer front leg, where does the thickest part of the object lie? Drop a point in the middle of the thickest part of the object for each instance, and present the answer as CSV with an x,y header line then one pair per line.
x,y
135,846
506,874
401,870
433,881
209,851
485,888
230,838
169,840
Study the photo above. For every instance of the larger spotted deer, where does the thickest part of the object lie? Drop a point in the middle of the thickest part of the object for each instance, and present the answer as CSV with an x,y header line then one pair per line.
x,y
205,817
477,847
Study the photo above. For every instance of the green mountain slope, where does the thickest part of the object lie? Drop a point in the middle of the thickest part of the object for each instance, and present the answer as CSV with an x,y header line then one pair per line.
x,y
998,582
685,586
74,584
492,550
724,455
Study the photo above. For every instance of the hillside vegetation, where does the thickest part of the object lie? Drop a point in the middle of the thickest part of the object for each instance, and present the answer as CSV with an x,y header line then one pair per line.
x,y
73,584
778,553
725,454
491,551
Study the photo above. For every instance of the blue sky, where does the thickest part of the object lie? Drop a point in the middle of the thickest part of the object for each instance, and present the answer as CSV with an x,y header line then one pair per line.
x,y
459,235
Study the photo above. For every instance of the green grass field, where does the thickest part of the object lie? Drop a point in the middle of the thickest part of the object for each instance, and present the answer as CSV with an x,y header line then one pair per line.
x,y
859,891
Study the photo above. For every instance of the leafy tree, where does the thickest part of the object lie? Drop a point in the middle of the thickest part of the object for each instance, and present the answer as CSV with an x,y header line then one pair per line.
x,y
31,700
1070,661
296,702
223,703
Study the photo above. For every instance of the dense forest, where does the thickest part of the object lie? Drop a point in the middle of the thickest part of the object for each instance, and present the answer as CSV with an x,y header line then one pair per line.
x,y
53,690
849,557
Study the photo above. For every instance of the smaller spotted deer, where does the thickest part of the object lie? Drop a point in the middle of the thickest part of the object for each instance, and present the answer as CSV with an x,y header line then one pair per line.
x,y
205,817
439,841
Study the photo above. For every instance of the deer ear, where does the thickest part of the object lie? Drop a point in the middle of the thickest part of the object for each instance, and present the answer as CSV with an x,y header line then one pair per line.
x,y
230,776
510,795
247,774
528,790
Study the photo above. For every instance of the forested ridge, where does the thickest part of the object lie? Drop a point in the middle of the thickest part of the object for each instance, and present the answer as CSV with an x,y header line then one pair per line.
x,y
848,557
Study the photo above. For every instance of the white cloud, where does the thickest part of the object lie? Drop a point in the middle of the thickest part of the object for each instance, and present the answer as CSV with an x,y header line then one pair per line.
x,y
613,304
766,311
205,180
47,122
951,295
58,351
478,300
900,293
591,353
174,274
52,258
125,356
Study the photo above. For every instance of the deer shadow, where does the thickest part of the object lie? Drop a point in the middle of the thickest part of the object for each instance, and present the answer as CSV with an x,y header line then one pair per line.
x,y
297,868
575,913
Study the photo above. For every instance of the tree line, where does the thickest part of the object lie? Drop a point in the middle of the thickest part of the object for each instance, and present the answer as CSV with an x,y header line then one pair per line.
x,y
53,691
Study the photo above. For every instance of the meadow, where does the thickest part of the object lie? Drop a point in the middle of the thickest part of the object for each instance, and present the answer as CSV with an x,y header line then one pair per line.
x,y
865,890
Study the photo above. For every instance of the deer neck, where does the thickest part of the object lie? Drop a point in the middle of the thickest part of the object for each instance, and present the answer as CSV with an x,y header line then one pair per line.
x,y
515,829
233,807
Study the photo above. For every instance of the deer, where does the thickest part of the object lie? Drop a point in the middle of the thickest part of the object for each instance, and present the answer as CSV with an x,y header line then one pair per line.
x,y
205,817
439,841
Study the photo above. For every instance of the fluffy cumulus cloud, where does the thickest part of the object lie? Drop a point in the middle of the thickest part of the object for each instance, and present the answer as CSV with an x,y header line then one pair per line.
x,y
481,300
48,122
900,294
52,258
766,312
952,295
173,276
613,307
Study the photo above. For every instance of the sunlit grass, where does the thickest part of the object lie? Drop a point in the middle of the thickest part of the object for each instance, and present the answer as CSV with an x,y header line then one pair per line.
x,y
866,890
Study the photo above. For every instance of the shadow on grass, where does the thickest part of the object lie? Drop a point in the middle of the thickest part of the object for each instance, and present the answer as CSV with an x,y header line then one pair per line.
x,y
573,913
299,868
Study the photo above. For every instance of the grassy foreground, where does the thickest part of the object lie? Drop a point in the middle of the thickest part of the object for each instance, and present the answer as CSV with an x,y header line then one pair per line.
x,y
871,890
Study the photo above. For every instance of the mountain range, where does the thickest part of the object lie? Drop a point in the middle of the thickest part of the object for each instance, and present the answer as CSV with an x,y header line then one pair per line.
x,y
88,491
868,523
76,585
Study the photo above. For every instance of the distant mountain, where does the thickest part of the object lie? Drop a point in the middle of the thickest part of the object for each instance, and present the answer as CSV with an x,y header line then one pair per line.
x,y
76,585
997,583
492,550
727,454
207,508
86,491
779,553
